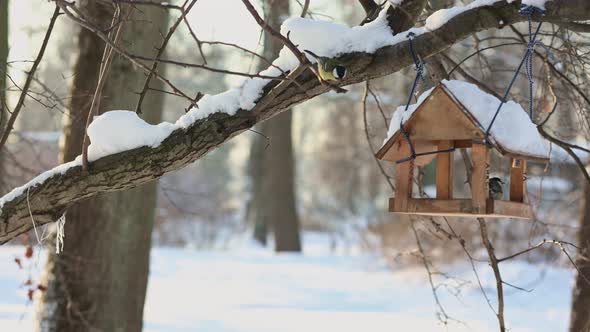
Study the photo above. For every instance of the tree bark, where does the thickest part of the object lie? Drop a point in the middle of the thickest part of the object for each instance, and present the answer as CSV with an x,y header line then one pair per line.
x,y
99,282
272,162
49,197
281,200
255,214
580,314
3,67
403,16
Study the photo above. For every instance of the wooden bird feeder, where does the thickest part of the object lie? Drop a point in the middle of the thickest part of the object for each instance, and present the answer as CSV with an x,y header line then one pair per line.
x,y
442,121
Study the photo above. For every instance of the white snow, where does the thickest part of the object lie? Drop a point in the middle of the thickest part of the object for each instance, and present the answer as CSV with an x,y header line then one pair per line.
x,y
537,3
513,129
442,16
117,131
250,289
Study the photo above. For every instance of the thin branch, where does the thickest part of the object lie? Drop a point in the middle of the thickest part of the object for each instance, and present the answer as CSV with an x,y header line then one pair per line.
x,y
305,8
25,89
161,50
274,33
155,3
195,38
66,7
470,78
381,169
477,53
245,50
567,147
211,69
496,268
376,98
426,264
468,165
105,67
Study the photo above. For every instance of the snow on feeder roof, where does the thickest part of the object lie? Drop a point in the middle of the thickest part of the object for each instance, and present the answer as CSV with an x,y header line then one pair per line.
x,y
513,133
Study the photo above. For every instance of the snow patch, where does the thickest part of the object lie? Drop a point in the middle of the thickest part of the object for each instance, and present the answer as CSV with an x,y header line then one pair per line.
x,y
512,129
536,3
442,16
118,131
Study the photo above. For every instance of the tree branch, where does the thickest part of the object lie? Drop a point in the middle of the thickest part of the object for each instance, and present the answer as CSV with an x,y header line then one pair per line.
x,y
50,197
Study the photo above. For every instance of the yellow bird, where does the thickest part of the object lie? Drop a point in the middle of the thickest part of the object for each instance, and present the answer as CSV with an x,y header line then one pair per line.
x,y
329,69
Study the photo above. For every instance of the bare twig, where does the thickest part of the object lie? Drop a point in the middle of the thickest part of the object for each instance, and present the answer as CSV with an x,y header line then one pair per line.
x,y
195,38
442,313
266,27
381,169
470,77
496,268
491,254
245,50
376,98
305,8
155,3
71,11
161,50
25,88
104,70
567,147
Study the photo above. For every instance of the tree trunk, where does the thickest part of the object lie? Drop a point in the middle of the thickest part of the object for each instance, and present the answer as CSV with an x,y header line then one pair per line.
x,y
281,195
99,282
3,67
580,314
272,166
257,215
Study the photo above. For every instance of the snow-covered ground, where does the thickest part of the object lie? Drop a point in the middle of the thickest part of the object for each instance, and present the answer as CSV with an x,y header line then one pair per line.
x,y
252,289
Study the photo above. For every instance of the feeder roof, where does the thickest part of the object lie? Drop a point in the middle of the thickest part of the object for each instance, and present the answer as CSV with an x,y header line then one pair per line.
x,y
512,132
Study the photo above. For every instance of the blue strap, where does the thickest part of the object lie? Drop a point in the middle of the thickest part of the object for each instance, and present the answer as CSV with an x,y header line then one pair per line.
x,y
419,67
527,62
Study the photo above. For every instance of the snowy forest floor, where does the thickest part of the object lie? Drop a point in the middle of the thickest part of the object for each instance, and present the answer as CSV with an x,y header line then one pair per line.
x,y
251,289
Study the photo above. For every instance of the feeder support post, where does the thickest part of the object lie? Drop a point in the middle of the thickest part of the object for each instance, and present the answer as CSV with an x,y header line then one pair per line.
x,y
517,173
480,161
403,179
444,171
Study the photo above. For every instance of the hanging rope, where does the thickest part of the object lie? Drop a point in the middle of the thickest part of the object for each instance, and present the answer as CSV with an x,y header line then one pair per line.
x,y
527,62
419,67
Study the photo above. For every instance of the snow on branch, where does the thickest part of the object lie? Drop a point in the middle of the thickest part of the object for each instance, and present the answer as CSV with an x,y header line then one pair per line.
x,y
142,153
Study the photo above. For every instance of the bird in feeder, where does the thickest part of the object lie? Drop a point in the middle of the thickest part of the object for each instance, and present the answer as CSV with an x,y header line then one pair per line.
x,y
496,189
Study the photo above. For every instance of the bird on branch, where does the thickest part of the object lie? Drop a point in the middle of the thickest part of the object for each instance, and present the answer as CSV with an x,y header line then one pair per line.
x,y
328,68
